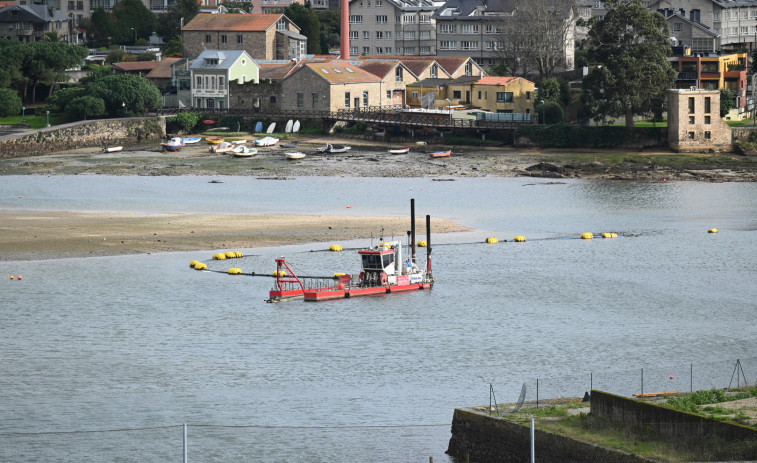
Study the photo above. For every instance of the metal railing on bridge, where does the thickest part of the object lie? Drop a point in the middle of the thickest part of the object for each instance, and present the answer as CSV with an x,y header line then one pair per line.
x,y
385,116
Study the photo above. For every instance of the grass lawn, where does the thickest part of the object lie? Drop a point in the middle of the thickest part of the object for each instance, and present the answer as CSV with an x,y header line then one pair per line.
x,y
34,121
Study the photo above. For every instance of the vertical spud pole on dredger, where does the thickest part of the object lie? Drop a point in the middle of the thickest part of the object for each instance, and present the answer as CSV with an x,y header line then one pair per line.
x,y
428,246
412,229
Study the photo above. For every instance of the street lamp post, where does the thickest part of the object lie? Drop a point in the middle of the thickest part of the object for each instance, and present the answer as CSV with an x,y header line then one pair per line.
x,y
135,35
48,118
541,102
23,113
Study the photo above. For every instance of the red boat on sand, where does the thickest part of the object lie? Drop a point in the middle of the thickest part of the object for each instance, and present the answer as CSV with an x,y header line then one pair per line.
x,y
384,270
440,154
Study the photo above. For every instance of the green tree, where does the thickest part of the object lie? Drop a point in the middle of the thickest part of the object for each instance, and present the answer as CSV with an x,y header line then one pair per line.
x,y
169,23
632,45
132,20
48,62
330,25
175,48
125,94
10,102
60,98
309,25
500,69
84,107
550,111
186,121
14,54
549,90
727,101
100,28
96,71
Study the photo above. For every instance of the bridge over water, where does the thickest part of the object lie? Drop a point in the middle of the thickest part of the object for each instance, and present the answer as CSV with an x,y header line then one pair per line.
x,y
386,117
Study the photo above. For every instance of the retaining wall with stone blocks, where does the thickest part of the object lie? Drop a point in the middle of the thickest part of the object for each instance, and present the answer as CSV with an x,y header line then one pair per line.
x,y
83,134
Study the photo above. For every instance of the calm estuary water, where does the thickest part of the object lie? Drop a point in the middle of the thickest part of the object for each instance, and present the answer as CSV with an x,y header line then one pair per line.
x,y
120,344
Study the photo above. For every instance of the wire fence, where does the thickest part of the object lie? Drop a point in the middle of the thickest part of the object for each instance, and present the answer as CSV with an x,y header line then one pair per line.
x,y
201,442
682,378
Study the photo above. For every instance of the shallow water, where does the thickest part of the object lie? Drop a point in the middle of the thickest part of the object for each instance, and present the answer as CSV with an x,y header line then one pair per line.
x,y
143,341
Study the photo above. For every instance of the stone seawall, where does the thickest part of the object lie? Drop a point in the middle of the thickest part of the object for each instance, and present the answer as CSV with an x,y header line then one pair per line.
x,y
480,438
83,134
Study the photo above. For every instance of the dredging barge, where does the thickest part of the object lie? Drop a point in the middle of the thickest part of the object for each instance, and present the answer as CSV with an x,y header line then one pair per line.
x,y
384,271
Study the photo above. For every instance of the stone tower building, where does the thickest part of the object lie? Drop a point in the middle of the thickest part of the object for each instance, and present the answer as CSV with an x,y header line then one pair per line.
x,y
694,122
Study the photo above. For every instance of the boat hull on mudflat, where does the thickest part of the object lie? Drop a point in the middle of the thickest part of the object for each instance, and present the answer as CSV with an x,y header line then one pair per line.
x,y
440,154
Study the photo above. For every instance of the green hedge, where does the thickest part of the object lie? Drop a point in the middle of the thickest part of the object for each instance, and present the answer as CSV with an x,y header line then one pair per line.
x,y
571,136
576,136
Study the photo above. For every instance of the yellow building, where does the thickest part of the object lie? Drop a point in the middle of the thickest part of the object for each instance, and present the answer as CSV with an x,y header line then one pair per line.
x,y
503,94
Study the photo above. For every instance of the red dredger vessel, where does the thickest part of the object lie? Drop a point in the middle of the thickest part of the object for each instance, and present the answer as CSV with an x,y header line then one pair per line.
x,y
384,270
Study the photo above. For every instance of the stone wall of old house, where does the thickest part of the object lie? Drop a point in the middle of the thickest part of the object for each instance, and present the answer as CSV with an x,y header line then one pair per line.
x,y
264,97
257,43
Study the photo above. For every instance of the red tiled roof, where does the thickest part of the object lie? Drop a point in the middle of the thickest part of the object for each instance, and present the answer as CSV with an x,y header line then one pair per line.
x,y
498,80
341,73
132,66
163,69
232,22
275,71
379,68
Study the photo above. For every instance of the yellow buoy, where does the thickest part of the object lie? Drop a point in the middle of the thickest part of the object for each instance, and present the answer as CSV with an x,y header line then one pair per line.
x,y
492,240
230,254
712,230
201,266
587,236
193,263
235,271
336,247
422,243
609,235
279,273
519,239
239,253
338,274
219,256
12,277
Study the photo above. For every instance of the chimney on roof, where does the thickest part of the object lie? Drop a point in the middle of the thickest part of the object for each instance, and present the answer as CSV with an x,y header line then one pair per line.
x,y
344,43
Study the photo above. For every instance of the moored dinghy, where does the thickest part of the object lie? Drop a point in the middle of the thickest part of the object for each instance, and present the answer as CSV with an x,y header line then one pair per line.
x,y
174,144
242,151
399,151
292,155
223,147
440,154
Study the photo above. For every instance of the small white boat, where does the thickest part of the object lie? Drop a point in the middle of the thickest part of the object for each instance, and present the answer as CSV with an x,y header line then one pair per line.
x,y
190,140
400,151
294,155
421,143
329,148
112,149
223,147
266,141
240,142
242,151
